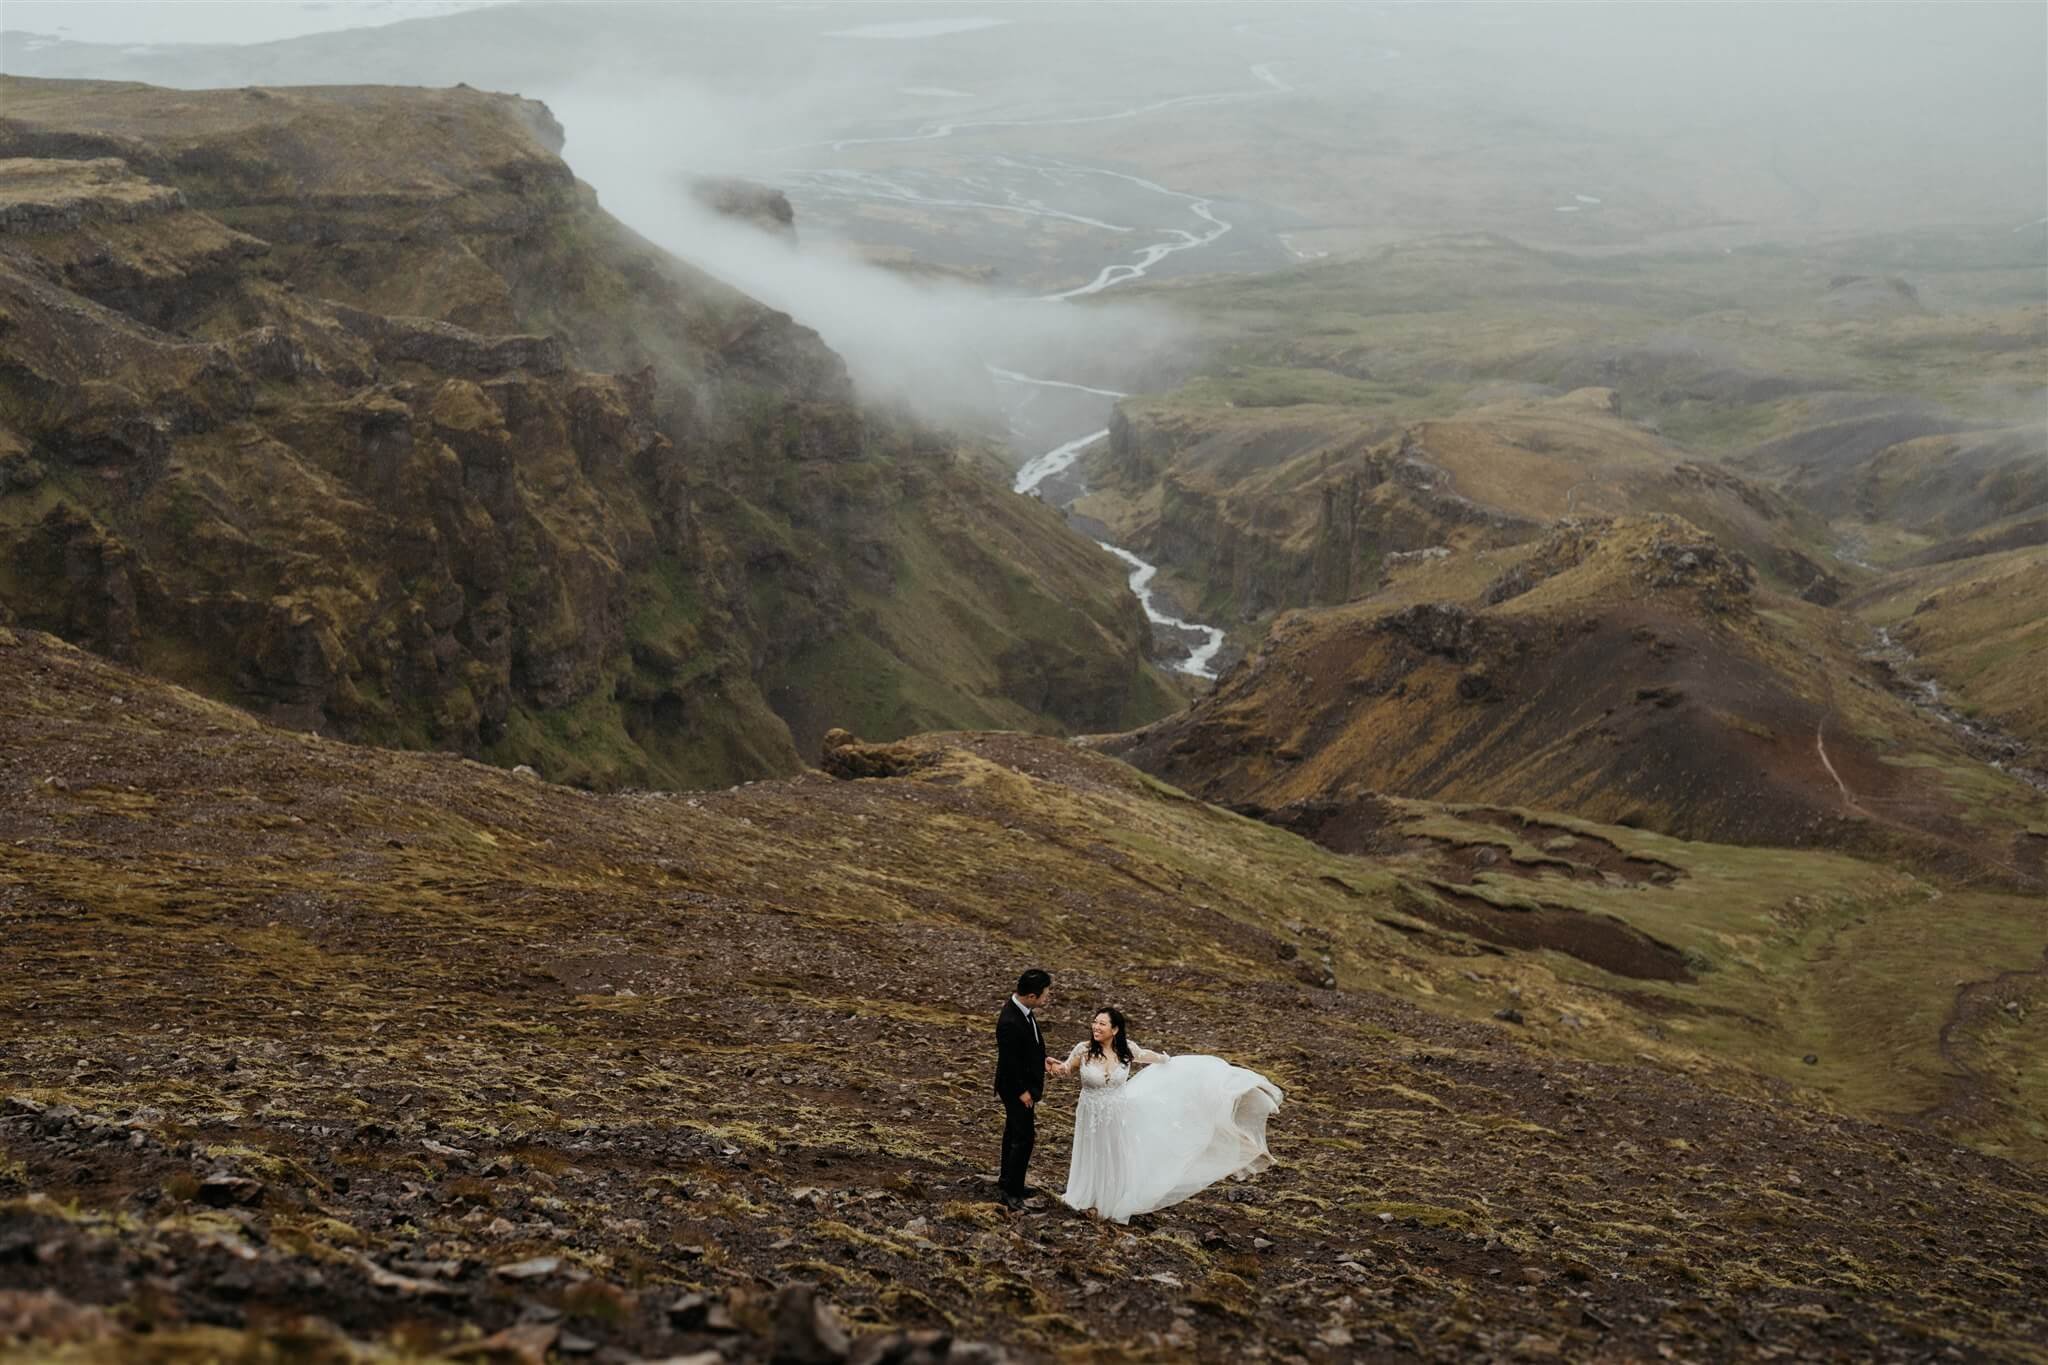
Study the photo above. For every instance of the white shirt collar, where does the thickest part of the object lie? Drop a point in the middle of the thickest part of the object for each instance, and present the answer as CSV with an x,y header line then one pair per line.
x,y
1020,1005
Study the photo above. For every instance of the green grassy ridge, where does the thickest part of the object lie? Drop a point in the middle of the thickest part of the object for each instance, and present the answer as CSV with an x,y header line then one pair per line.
x,y
1447,312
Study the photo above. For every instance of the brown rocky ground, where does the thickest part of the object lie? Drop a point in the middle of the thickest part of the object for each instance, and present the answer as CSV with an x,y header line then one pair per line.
x,y
322,1045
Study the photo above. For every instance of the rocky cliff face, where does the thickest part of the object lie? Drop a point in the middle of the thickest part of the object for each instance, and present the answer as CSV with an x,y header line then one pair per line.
x,y
352,406
1268,509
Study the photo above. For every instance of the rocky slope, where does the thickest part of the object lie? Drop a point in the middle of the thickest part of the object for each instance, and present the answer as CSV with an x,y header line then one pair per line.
x,y
1626,671
351,405
381,1055
1311,503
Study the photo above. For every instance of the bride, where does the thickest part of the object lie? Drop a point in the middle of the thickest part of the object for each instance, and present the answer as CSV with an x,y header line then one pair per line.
x,y
1146,1141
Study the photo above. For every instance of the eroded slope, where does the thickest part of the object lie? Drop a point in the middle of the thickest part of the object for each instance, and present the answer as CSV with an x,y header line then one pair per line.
x,y
1624,671
486,1049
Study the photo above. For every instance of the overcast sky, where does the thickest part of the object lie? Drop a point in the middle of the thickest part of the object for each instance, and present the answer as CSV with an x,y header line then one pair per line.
x,y
211,21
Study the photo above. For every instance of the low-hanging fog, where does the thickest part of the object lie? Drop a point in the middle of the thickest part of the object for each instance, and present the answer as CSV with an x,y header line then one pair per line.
x,y
923,341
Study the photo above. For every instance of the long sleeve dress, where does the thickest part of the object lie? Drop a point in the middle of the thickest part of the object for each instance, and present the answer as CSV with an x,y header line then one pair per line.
x,y
1144,1141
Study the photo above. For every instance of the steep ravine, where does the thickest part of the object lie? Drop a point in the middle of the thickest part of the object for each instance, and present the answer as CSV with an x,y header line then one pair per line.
x,y
452,459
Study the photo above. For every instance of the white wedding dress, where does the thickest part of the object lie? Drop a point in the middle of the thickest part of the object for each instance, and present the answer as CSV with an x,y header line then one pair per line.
x,y
1146,1141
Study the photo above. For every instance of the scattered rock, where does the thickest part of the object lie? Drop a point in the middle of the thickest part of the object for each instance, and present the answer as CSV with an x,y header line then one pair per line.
x,y
221,1190
807,1330
539,1268
1315,974
526,1344
701,1312
913,1348
407,1285
50,1319
847,758
1509,1015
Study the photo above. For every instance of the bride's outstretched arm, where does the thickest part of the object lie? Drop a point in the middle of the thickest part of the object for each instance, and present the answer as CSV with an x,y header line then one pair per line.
x,y
1148,1056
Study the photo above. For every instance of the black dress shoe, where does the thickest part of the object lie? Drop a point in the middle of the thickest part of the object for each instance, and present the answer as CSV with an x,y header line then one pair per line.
x,y
1012,1201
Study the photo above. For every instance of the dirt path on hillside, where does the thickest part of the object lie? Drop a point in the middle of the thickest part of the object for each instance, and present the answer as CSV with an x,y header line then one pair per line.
x,y
1820,744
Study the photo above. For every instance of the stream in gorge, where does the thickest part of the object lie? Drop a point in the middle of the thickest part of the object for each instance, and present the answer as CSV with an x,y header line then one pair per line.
x,y
1051,474
1205,642
1995,747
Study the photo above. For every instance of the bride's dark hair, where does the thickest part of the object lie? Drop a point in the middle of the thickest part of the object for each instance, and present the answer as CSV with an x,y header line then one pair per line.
x,y
1117,1040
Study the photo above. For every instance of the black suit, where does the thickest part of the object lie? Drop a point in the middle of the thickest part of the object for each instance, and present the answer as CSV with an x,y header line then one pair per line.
x,y
1020,1070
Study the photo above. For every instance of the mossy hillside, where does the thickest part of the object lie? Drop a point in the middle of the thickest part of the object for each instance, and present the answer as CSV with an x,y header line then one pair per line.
x,y
445,1013
367,488
969,627
1866,968
1307,505
1758,355
1976,624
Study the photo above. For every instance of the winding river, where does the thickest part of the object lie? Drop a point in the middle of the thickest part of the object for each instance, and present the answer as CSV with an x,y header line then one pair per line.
x,y
1206,641
1201,659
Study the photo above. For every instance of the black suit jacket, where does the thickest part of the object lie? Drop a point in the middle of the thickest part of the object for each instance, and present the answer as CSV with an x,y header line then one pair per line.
x,y
1020,1056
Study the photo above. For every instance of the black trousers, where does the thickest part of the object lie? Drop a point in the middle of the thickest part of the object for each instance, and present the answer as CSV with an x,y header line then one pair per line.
x,y
1020,1131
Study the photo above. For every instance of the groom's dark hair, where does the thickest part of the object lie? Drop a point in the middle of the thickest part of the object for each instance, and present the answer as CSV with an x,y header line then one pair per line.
x,y
1034,981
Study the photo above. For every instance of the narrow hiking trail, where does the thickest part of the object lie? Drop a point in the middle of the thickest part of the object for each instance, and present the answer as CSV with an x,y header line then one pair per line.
x,y
1820,744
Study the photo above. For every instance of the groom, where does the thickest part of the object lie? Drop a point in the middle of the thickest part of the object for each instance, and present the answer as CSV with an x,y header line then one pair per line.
x,y
1020,1077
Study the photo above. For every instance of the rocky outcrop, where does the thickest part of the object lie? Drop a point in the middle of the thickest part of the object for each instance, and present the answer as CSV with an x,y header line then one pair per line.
x,y
759,205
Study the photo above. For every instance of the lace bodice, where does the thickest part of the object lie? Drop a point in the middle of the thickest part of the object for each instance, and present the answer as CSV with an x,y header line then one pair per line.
x,y
1106,1072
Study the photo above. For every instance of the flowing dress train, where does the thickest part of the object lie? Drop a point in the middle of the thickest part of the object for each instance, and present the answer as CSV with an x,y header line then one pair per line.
x,y
1146,1141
